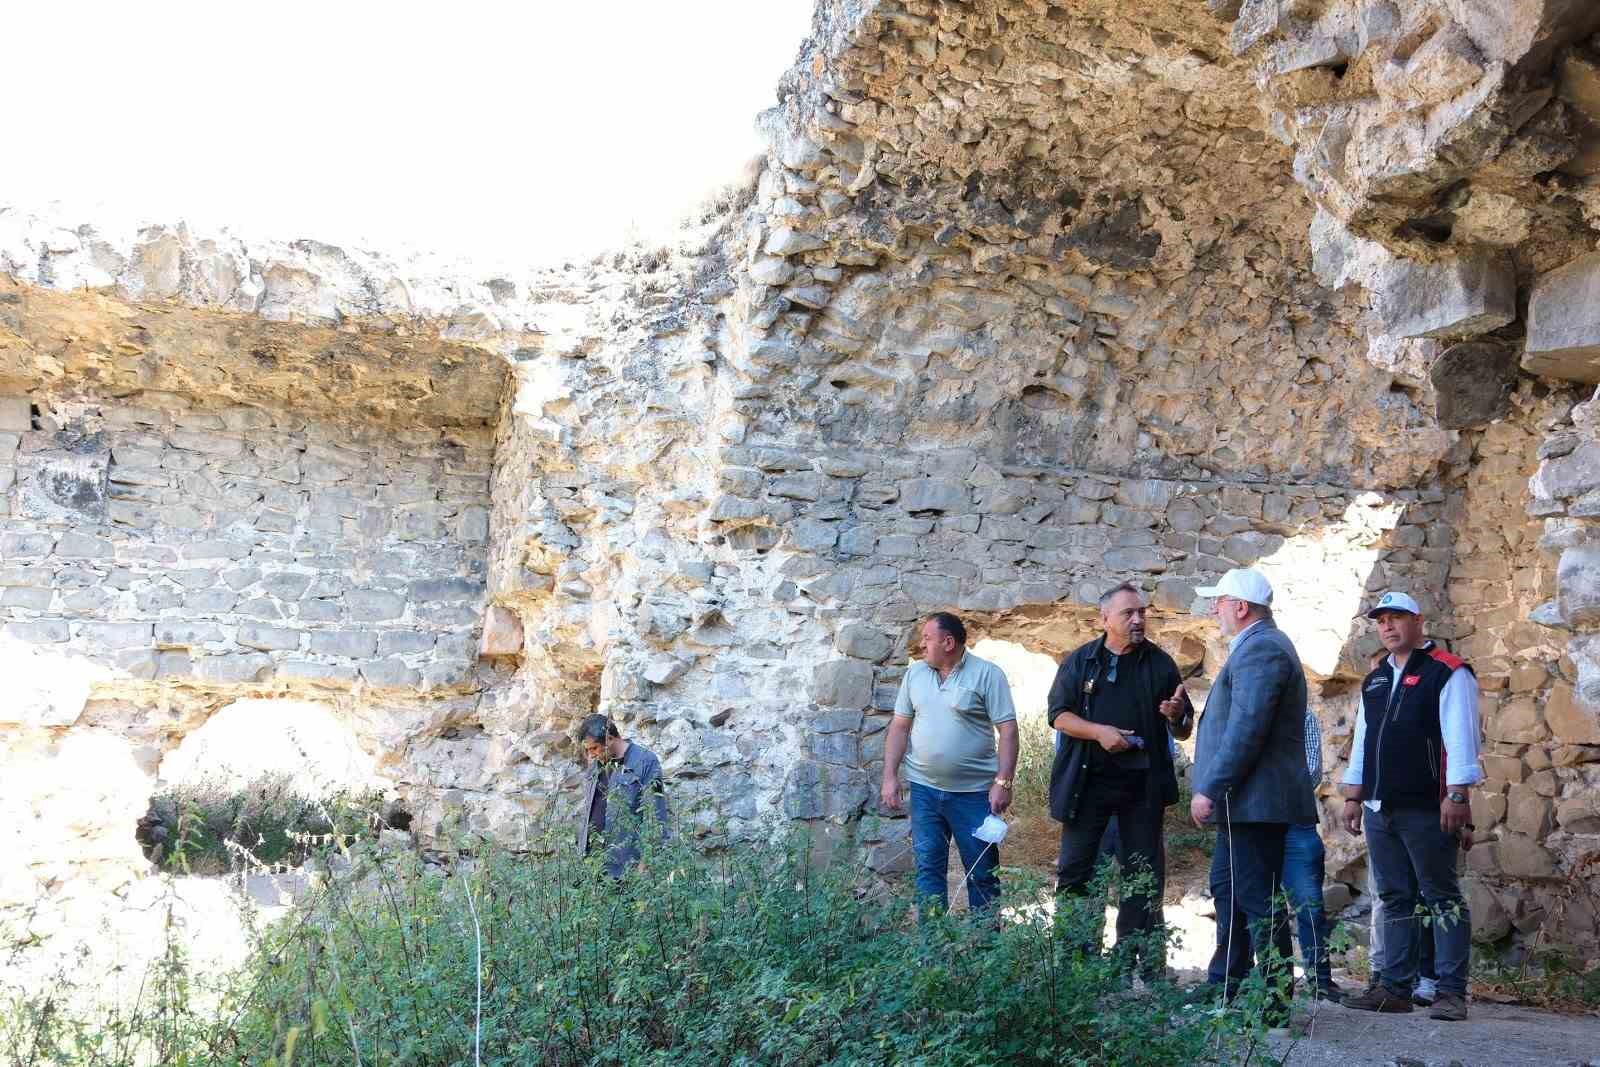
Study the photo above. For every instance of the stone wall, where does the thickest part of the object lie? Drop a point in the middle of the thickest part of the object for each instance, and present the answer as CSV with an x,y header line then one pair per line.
x,y
162,539
1024,301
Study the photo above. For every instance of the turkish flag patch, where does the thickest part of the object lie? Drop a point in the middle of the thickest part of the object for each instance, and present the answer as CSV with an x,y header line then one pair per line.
x,y
1411,679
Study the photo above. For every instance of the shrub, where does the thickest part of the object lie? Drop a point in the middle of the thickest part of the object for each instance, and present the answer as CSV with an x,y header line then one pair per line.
x,y
754,955
215,828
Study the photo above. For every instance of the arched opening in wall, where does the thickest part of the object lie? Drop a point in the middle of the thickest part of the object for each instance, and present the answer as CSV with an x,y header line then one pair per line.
x,y
263,785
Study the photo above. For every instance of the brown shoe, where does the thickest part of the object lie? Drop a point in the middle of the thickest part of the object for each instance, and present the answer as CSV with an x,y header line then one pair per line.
x,y
1451,1007
1380,998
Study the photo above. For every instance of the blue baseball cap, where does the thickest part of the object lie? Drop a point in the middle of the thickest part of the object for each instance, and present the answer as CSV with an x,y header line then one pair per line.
x,y
1392,601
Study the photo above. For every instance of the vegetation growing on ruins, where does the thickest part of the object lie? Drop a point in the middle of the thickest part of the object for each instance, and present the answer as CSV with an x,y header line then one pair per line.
x,y
214,827
754,955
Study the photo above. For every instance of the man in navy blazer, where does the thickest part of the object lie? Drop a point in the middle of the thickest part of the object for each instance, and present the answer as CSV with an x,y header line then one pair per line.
x,y
1250,779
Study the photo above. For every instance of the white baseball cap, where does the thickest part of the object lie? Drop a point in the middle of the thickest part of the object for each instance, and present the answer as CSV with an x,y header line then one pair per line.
x,y
1241,583
1392,601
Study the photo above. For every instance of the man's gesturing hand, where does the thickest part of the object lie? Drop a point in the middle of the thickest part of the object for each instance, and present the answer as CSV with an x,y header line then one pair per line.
x,y
1200,809
1173,707
1114,740
889,794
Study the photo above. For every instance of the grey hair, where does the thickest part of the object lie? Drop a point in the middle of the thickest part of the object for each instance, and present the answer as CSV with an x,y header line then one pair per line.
x,y
1111,594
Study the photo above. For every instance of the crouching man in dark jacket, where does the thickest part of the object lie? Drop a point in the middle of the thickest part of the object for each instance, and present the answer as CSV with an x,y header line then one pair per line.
x,y
622,776
1116,699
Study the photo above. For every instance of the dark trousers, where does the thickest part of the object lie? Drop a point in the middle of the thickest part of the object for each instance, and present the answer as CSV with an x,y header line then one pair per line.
x,y
1411,858
1139,847
1246,874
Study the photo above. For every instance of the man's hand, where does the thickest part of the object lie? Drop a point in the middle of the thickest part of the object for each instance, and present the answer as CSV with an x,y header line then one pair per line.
x,y
1351,816
1453,817
889,794
1200,809
1173,707
999,798
1114,740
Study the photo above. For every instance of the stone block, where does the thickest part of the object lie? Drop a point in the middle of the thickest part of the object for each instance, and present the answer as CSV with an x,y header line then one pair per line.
x,y
16,414
46,632
74,545
1453,298
179,634
933,494
267,638
1569,720
1527,812
1523,857
1174,594
786,241
819,791
352,644
1578,585
1489,919
502,632
863,641
299,670
1472,383
31,599
233,668
800,485
842,683
931,590
404,642
1564,322
118,635
1572,474
1579,815
390,674
373,605
1140,559
446,589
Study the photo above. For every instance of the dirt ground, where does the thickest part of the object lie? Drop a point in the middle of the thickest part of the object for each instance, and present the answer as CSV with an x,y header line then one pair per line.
x,y
1495,1035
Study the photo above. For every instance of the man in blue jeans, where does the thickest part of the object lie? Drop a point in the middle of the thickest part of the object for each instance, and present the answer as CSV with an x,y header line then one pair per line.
x,y
1304,867
950,708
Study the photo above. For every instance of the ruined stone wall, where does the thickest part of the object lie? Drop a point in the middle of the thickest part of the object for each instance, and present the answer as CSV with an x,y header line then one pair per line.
x,y
1025,300
160,538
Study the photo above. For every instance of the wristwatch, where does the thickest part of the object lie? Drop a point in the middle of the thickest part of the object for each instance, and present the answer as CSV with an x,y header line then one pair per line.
x,y
1003,783
1456,796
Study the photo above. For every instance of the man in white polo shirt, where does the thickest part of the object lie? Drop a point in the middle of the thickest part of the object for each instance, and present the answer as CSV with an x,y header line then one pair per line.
x,y
951,706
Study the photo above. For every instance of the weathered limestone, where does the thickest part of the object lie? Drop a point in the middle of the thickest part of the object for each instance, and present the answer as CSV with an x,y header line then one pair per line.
x,y
1019,306
1564,322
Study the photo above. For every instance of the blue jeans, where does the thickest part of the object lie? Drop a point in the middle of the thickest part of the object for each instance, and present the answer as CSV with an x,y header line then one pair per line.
x,y
1303,870
936,817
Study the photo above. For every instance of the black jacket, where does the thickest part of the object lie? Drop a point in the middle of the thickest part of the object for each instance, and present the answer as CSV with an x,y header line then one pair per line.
x,y
1404,755
1155,675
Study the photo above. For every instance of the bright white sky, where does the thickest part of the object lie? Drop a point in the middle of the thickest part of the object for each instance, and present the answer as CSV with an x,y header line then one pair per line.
x,y
510,133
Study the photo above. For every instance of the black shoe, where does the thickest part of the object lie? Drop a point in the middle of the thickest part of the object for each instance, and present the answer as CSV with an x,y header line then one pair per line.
x,y
1326,989
1381,998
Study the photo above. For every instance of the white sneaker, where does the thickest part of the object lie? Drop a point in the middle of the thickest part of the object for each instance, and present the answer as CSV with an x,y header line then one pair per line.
x,y
1427,990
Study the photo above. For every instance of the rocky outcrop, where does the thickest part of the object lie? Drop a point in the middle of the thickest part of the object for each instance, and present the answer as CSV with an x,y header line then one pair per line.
x,y
1025,301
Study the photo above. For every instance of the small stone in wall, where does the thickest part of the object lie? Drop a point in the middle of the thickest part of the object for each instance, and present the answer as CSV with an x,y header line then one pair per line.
x,y
502,632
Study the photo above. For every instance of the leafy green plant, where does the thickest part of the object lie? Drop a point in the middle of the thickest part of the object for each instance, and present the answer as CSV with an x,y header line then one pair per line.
x,y
214,828
747,955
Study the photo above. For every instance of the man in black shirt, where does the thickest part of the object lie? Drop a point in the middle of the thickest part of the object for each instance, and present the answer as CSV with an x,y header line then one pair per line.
x,y
1116,699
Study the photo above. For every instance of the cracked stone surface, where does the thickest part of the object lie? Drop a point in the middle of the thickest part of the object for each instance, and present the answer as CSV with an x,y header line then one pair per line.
x,y
1025,299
